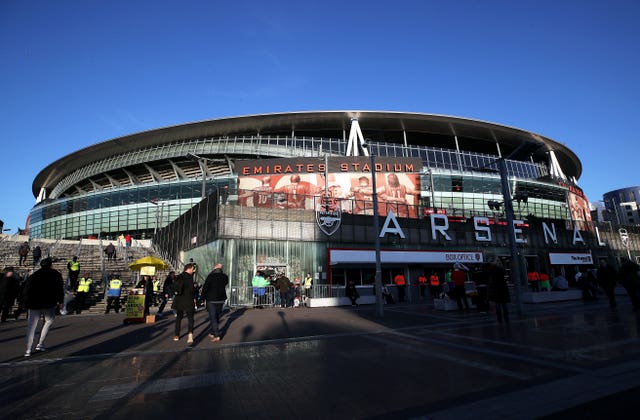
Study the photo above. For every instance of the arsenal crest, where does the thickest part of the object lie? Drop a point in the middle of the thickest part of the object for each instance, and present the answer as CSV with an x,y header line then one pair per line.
x,y
328,215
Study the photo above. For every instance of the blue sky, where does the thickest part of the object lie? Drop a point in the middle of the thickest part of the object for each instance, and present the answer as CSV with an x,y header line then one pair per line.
x,y
75,73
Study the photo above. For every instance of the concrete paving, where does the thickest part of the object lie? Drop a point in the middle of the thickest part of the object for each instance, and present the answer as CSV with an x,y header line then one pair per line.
x,y
559,359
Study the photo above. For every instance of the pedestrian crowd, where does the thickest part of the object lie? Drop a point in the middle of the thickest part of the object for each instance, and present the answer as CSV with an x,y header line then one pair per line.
x,y
43,294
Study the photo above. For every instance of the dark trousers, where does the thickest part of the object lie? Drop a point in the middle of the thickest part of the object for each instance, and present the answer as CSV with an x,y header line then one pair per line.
x,y
611,295
113,302
401,292
6,309
81,299
214,309
284,299
461,297
482,302
73,280
502,312
163,303
179,315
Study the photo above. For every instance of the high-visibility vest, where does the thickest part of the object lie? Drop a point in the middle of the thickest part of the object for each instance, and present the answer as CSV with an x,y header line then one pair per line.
x,y
74,265
434,280
422,279
156,285
84,285
114,287
307,282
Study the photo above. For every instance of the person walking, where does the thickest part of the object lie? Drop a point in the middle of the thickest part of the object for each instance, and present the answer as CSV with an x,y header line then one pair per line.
x,y
146,284
630,281
9,290
184,301
434,285
84,287
110,251
480,277
607,280
214,293
43,294
308,282
498,290
458,278
282,285
37,254
73,266
167,291
401,285
422,283
23,252
352,293
113,294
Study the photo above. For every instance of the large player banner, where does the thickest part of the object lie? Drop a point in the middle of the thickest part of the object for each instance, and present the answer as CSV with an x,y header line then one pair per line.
x,y
298,183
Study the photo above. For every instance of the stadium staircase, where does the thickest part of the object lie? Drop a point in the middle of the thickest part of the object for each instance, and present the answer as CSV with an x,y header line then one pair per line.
x,y
92,260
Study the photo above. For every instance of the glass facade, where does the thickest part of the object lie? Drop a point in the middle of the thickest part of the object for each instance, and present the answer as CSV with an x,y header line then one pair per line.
x,y
138,210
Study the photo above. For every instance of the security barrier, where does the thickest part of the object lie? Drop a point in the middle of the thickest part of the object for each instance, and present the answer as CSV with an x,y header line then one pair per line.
x,y
253,297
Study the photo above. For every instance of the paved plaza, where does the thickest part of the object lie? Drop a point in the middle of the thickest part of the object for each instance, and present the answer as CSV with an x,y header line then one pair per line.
x,y
560,360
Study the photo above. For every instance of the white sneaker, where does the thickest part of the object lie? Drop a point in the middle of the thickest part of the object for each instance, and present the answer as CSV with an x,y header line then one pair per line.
x,y
190,338
27,354
40,348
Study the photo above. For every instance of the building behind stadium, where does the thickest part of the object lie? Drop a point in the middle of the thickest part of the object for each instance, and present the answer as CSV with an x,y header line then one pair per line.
x,y
293,192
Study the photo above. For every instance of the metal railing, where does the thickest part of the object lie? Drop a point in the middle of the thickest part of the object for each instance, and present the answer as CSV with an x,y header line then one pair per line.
x,y
253,296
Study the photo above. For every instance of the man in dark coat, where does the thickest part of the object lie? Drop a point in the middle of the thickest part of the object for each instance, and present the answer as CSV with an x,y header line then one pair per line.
x,y
607,280
43,292
37,254
167,291
214,293
23,251
498,290
9,289
110,251
184,301
282,285
146,284
630,281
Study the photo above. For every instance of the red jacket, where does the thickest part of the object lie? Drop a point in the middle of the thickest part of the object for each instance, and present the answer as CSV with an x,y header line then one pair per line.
x,y
458,277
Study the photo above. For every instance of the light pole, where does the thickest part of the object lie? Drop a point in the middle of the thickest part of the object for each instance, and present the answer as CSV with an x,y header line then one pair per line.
x,y
516,273
376,232
158,216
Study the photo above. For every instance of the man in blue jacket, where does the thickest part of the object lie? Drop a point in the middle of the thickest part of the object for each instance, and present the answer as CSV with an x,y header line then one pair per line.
x,y
214,292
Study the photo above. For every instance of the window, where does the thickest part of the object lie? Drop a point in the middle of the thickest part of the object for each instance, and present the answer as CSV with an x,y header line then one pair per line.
x,y
456,184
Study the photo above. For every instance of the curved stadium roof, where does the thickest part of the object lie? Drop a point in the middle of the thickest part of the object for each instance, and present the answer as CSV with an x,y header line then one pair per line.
x,y
417,128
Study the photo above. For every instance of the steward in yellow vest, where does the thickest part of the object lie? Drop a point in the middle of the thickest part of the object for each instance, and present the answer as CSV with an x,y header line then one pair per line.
x,y
84,286
113,295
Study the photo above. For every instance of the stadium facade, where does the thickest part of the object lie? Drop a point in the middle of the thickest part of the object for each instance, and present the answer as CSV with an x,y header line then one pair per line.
x,y
294,192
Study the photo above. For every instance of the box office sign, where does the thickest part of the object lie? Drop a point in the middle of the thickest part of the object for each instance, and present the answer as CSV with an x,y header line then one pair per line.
x,y
566,258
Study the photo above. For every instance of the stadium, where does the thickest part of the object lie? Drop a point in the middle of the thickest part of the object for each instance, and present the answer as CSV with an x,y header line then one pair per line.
x,y
294,192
